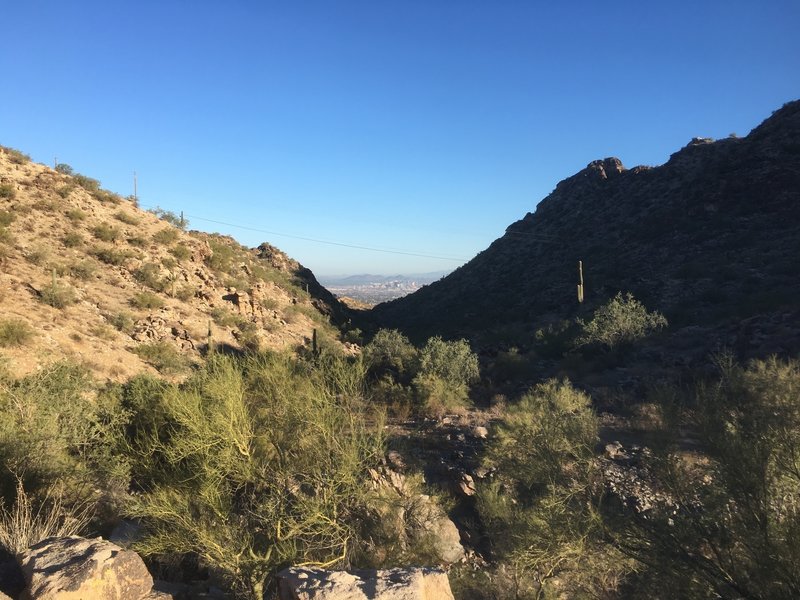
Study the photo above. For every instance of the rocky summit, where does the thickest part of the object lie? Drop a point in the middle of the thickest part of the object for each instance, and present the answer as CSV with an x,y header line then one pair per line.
x,y
709,238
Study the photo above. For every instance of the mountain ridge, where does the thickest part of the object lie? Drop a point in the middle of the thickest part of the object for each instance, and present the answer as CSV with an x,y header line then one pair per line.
x,y
700,238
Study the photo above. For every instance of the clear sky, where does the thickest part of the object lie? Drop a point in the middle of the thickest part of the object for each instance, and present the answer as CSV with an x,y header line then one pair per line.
x,y
423,126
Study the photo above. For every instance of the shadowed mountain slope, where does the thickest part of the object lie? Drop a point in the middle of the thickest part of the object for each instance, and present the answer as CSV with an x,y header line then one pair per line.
x,y
712,236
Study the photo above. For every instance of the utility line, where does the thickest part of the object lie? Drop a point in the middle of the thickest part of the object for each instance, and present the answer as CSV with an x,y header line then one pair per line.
x,y
318,241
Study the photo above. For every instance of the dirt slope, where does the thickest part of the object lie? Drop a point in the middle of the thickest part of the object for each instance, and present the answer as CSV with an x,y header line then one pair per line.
x,y
128,279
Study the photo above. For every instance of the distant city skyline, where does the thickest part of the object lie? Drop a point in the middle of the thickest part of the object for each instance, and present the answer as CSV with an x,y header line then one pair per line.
x,y
407,135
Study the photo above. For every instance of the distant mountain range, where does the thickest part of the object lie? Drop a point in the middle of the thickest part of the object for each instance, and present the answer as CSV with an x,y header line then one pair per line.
x,y
711,238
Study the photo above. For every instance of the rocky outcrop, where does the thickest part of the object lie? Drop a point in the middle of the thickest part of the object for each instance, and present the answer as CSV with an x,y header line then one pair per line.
x,y
411,519
392,584
75,568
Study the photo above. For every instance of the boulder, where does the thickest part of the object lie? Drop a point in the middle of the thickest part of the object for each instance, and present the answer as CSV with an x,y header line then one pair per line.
x,y
390,584
76,568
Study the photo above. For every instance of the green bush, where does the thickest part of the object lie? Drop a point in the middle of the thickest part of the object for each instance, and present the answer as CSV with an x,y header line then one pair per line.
x,y
170,217
73,239
64,169
166,236
64,191
82,269
149,274
122,321
58,295
163,356
180,252
106,232
390,352
436,397
6,218
111,256
146,300
7,190
222,256
621,321
87,183
50,431
14,332
37,255
540,511
75,214
453,362
732,527
15,156
251,466
126,218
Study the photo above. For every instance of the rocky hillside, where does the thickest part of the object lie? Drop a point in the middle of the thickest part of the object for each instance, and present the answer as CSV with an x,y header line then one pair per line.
x,y
86,275
711,239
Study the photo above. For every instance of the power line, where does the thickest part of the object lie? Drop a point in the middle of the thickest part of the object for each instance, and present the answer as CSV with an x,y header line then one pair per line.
x,y
319,241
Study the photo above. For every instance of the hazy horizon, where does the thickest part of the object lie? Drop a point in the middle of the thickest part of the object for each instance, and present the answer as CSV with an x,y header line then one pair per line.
x,y
406,136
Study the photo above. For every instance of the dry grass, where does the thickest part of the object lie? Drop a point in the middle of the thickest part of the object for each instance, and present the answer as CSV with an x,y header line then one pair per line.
x,y
24,524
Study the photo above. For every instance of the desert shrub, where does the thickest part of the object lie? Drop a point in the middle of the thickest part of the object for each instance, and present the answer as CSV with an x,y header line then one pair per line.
x,y
180,252
28,522
170,217
64,191
146,300
14,332
6,237
539,512
75,214
58,295
87,183
106,232
122,321
163,356
169,262
106,196
149,274
6,218
48,431
81,269
556,339
64,169
436,397
621,321
224,318
72,239
37,255
7,190
253,465
731,528
390,352
511,365
126,217
453,362
222,256
166,236
15,156
185,292
111,256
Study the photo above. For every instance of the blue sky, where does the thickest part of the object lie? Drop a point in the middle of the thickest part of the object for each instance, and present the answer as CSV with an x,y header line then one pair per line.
x,y
420,126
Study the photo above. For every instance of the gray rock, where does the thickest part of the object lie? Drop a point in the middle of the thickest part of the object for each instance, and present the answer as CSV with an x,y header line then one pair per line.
x,y
75,568
391,584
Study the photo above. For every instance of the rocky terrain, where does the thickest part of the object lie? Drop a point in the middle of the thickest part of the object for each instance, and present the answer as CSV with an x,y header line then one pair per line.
x,y
86,275
710,239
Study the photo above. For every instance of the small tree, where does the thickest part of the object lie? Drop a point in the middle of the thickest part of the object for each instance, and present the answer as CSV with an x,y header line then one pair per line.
x,y
621,321
390,352
539,512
